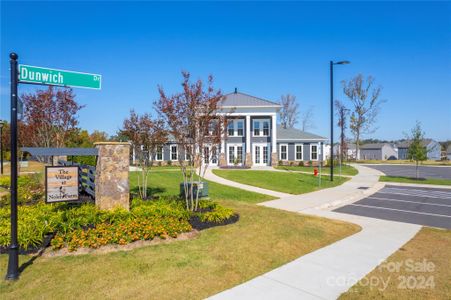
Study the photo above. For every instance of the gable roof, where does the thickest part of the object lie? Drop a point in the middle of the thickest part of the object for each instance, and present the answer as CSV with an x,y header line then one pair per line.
x,y
238,99
406,143
296,134
375,146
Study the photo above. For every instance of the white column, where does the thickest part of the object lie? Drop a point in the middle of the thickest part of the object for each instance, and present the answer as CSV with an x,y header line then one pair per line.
x,y
248,134
223,135
274,133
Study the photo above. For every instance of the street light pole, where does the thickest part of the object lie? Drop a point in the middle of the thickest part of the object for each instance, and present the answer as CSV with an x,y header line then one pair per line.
x,y
331,121
344,62
13,262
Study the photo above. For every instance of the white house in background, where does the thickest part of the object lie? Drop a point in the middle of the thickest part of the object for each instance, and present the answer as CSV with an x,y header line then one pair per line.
x,y
433,148
253,137
378,151
448,152
351,152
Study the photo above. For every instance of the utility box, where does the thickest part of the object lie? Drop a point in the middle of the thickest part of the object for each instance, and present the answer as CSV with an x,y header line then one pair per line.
x,y
201,185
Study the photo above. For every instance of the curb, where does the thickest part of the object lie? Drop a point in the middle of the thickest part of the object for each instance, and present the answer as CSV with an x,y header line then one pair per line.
x,y
350,199
434,186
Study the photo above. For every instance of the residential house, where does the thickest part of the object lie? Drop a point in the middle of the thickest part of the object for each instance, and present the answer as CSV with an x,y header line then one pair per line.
x,y
448,152
253,137
378,151
433,149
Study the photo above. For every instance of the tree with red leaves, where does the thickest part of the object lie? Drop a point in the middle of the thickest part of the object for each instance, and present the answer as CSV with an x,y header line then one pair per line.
x,y
194,120
147,137
50,117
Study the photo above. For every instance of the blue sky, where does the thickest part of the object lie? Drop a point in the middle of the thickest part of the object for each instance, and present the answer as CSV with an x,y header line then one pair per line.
x,y
264,49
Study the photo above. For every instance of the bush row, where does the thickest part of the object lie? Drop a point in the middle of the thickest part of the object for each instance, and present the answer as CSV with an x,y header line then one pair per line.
x,y
86,226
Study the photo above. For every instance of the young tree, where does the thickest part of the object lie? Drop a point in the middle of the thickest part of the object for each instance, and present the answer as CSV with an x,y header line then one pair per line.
x,y
50,117
147,137
364,97
417,151
342,113
193,119
307,119
289,111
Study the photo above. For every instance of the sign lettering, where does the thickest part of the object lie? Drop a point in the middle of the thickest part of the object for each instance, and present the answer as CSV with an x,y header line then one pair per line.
x,y
46,76
61,184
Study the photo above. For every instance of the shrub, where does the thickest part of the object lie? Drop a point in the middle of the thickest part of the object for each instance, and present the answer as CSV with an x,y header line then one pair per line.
x,y
301,164
280,163
34,222
29,189
218,215
169,163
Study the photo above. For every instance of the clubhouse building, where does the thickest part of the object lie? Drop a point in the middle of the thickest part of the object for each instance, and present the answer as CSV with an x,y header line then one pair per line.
x,y
253,138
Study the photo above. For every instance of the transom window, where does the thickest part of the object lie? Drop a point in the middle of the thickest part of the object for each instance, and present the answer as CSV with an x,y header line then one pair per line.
x,y
313,152
283,152
261,127
298,149
235,128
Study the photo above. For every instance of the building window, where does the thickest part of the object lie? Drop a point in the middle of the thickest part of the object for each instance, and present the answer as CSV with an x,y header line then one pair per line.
x,y
265,128
230,129
174,152
298,149
313,152
261,127
159,154
235,128
283,149
256,128
240,128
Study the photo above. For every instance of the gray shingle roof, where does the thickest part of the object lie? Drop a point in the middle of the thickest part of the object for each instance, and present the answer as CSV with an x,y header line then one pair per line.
x,y
296,134
406,144
374,146
239,99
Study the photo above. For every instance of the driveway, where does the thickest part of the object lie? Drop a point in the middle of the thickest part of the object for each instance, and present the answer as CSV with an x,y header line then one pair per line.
x,y
416,205
442,172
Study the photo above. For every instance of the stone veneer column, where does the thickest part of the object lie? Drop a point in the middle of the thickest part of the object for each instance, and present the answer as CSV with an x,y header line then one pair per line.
x,y
111,184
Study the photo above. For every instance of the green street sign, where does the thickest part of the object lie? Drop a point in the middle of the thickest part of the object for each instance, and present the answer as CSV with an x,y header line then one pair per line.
x,y
57,77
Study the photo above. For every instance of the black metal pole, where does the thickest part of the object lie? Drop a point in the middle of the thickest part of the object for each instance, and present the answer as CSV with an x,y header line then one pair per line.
x,y
13,262
1,148
331,121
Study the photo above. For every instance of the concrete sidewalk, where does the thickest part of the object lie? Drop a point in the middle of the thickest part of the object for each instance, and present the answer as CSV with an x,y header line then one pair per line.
x,y
332,270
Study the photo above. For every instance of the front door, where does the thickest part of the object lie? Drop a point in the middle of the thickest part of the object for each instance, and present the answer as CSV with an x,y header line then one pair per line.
x,y
260,154
210,155
235,155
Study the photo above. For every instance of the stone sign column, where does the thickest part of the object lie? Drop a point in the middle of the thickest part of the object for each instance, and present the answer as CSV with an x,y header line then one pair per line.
x,y
112,185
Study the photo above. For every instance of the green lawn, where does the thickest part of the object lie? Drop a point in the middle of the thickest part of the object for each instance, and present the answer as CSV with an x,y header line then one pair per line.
x,y
437,181
167,183
291,183
345,169
431,247
219,258
406,162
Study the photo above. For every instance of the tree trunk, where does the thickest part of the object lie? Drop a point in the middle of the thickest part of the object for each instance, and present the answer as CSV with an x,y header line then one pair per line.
x,y
416,170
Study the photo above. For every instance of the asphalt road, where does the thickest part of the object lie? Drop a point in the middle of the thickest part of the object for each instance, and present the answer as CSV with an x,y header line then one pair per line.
x,y
424,206
443,172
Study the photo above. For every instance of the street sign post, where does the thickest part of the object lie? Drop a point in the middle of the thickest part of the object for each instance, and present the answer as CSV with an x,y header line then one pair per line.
x,y
47,76
43,76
